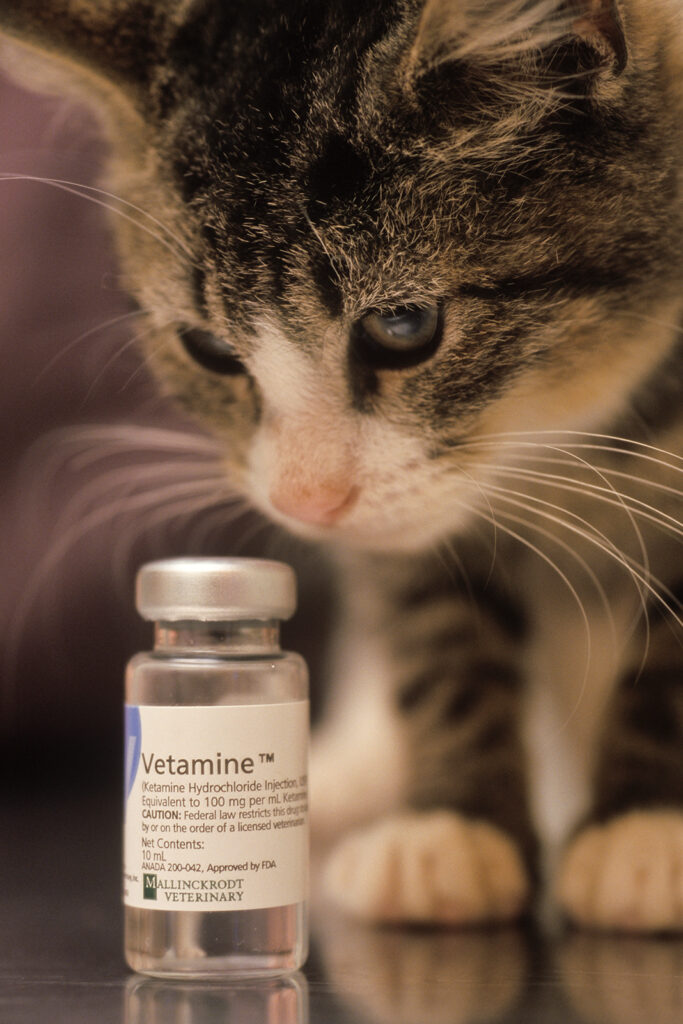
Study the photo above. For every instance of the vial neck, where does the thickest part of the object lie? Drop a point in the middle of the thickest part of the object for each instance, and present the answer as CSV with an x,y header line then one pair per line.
x,y
252,637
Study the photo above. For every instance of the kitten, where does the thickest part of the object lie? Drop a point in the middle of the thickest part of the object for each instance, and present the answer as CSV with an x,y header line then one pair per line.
x,y
423,262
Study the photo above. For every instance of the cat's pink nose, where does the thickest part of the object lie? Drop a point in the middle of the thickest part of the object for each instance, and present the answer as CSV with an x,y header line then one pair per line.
x,y
323,505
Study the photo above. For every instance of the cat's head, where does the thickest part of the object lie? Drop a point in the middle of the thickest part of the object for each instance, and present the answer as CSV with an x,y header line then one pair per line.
x,y
374,234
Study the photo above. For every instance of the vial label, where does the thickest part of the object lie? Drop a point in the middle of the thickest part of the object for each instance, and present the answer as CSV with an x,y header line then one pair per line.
x,y
216,807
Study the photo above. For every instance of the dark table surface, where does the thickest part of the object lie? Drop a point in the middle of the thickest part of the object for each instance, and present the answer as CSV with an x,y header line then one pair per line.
x,y
60,954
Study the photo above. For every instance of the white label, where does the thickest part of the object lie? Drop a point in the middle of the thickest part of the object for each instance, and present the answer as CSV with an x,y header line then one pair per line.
x,y
216,807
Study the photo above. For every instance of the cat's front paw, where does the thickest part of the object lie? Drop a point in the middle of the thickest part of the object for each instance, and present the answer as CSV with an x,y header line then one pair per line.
x,y
626,875
435,867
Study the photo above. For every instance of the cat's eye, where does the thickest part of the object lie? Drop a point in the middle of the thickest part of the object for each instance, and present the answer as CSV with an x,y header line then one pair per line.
x,y
210,352
402,338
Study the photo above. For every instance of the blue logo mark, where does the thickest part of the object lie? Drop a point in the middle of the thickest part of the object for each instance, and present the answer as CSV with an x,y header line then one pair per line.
x,y
132,748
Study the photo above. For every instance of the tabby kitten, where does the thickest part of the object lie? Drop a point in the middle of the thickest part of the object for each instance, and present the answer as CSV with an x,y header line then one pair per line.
x,y
417,266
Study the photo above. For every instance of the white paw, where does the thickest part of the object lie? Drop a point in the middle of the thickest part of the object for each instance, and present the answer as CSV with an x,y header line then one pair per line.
x,y
432,867
626,875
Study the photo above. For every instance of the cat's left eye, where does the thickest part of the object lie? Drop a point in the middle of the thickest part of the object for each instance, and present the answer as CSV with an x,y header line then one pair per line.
x,y
210,352
402,338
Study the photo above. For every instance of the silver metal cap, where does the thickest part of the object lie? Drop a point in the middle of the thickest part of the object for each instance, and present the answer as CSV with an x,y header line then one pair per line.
x,y
215,589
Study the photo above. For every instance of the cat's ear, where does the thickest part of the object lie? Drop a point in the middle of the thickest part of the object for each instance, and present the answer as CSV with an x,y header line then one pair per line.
x,y
114,40
482,32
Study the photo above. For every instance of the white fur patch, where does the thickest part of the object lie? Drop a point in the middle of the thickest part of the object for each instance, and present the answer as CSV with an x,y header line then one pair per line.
x,y
307,443
358,757
311,441
424,868
288,378
572,673
626,875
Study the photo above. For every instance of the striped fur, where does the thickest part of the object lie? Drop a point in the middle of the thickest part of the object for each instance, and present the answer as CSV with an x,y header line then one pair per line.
x,y
513,512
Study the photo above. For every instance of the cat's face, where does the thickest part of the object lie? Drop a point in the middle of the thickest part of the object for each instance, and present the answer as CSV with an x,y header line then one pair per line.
x,y
374,267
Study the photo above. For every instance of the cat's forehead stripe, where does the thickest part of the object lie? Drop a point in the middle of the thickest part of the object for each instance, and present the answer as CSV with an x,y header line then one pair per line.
x,y
339,172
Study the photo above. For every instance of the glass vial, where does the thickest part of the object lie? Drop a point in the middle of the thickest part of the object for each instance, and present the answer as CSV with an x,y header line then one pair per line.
x,y
216,819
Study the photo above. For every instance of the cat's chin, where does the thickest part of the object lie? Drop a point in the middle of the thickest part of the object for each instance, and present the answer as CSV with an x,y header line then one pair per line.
x,y
408,537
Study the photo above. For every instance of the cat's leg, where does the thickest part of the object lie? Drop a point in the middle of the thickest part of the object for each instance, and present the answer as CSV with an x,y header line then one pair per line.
x,y
460,848
624,869
358,752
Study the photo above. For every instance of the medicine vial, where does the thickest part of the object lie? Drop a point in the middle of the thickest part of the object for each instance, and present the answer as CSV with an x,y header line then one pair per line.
x,y
215,868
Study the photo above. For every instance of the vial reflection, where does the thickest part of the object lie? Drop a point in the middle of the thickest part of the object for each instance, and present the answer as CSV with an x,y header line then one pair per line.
x,y
259,1001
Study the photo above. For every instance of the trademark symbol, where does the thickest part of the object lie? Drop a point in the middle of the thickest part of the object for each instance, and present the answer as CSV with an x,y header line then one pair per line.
x,y
267,758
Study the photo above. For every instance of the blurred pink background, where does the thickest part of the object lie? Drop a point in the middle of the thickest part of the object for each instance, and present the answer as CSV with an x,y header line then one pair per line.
x,y
66,601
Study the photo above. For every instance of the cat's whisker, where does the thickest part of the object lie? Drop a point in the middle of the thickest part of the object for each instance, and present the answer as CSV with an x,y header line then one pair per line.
x,y
252,533
131,479
629,503
82,191
582,530
620,445
72,536
643,456
617,499
167,513
645,581
620,501
165,454
582,689
114,504
545,557
171,453
85,446
634,507
99,328
448,546
144,364
101,441
602,470
641,574
177,512
664,595
165,509
494,547
135,340
223,516
641,481
587,532
39,471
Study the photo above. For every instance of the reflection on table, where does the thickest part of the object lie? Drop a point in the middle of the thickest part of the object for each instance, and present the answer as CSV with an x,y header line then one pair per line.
x,y
258,1001
499,976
